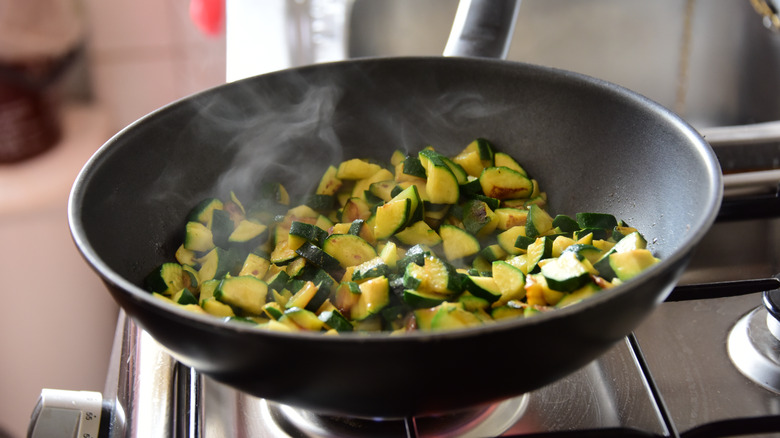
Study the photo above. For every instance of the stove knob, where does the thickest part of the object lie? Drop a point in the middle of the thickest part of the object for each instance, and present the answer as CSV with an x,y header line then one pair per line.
x,y
61,413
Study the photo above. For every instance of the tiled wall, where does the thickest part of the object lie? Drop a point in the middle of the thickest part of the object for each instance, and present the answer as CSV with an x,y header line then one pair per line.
x,y
143,54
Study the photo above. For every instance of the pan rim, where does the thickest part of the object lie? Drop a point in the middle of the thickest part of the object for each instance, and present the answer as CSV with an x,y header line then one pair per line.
x,y
133,291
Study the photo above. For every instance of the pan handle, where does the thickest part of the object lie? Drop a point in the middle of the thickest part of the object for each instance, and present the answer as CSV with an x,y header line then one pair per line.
x,y
483,28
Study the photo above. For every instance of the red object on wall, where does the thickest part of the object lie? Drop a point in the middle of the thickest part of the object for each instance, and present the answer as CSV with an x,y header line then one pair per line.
x,y
208,15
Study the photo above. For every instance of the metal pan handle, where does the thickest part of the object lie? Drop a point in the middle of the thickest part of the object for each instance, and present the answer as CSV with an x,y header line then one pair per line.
x,y
483,28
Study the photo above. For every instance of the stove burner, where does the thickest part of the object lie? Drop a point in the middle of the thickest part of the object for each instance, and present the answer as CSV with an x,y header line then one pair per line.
x,y
492,420
755,350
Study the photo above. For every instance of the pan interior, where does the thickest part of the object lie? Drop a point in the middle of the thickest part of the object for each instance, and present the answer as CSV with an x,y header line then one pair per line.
x,y
593,147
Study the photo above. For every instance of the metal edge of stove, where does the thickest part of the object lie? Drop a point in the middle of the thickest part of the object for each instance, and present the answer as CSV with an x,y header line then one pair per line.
x,y
140,385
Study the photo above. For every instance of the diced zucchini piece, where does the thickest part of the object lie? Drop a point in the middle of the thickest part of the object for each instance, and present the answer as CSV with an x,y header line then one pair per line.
x,y
589,289
508,240
419,232
221,226
347,295
335,320
391,217
397,156
184,297
282,253
309,297
355,208
218,262
502,159
246,293
458,243
422,300
510,217
566,273
539,222
167,279
248,233
596,220
374,296
383,189
504,183
214,307
356,168
478,218
630,242
483,287
301,232
319,257
329,183
412,166
540,249
629,264
303,318
510,281
451,316
198,237
273,309
255,265
492,253
375,267
589,252
202,212
348,249
441,184
565,223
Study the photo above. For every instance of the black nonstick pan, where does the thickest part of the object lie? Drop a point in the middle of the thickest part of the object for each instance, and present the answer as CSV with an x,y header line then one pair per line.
x,y
592,145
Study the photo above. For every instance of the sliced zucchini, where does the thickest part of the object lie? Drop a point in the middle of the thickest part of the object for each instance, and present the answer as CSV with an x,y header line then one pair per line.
x,y
566,273
335,320
374,296
589,289
375,267
320,257
255,265
203,211
329,183
248,233
198,237
419,232
348,249
502,159
510,217
457,242
391,217
441,184
356,168
166,279
539,222
302,318
596,220
504,183
628,264
483,287
451,316
540,249
508,240
302,232
246,293
510,280
478,218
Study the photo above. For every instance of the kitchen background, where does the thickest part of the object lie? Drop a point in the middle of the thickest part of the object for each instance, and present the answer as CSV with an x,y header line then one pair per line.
x,y
57,323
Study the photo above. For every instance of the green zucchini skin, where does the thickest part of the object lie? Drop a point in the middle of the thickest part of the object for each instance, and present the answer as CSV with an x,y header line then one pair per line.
x,y
444,243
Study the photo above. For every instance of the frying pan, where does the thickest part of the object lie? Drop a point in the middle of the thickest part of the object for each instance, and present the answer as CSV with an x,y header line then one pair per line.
x,y
593,146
